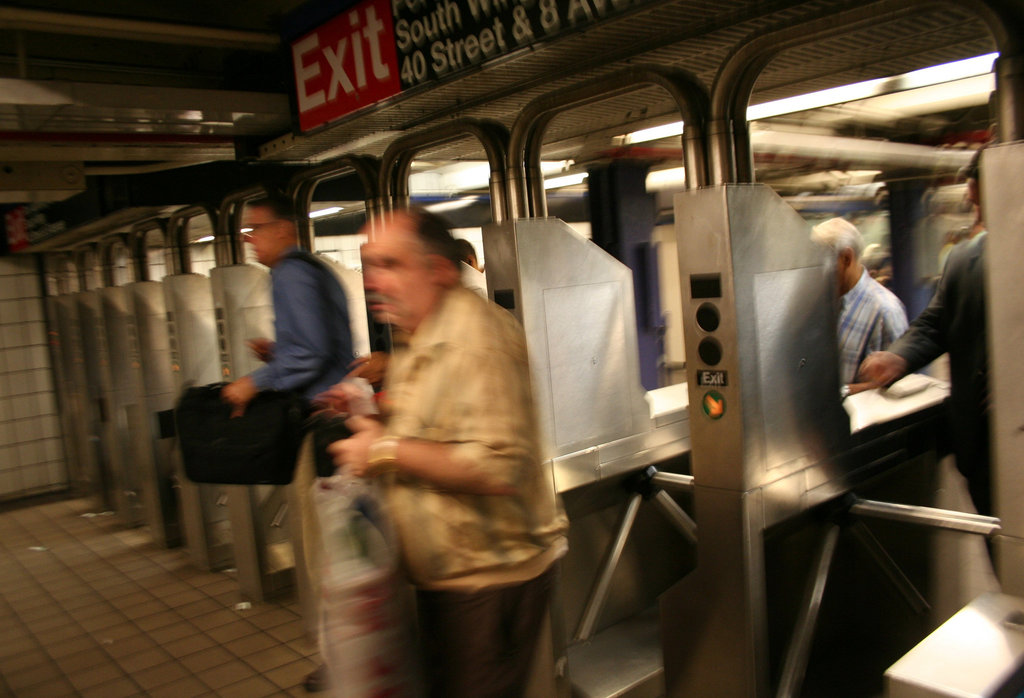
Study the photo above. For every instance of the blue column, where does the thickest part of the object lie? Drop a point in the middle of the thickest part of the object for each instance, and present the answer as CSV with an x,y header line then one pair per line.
x,y
622,216
906,208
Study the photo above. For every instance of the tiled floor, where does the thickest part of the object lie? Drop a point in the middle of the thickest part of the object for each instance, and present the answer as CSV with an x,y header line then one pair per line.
x,y
88,608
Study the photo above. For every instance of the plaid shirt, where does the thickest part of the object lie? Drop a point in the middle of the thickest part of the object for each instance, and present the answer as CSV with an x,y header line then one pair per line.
x,y
870,319
464,380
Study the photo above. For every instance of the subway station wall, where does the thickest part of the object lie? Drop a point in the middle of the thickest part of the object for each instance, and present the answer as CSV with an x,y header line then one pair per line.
x,y
31,451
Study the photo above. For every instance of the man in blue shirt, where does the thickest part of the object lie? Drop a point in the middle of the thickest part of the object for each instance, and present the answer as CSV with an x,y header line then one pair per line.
x,y
871,317
313,350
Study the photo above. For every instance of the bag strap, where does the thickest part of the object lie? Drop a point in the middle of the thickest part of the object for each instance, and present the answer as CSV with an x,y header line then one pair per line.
x,y
326,277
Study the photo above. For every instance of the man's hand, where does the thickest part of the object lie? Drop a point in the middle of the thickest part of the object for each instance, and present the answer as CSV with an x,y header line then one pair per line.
x,y
882,368
372,367
351,454
262,347
239,394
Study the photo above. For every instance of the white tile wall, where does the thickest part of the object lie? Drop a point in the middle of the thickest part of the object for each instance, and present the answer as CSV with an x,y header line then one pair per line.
x,y
31,453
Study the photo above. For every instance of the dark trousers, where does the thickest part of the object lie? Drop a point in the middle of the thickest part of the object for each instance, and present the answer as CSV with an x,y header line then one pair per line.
x,y
480,645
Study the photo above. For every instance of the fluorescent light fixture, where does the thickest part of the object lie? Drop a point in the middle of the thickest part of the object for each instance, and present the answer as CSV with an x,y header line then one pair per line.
x,y
206,238
947,72
935,75
329,211
452,205
565,181
661,180
245,230
654,133
453,178
552,166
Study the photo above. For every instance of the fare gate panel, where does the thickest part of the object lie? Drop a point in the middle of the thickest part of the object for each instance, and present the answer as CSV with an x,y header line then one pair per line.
x,y
130,431
157,397
262,548
85,473
99,427
192,342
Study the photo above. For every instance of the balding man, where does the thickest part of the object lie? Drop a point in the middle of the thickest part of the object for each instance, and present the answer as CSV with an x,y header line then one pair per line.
x,y
477,516
871,317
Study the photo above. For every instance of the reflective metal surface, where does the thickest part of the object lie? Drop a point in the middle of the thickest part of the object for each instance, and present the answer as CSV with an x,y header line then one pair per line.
x,y
978,653
599,427
192,339
1004,216
99,432
157,397
759,322
575,302
84,467
262,551
131,432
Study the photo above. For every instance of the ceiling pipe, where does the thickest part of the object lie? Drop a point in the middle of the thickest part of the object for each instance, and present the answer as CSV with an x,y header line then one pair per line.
x,y
43,21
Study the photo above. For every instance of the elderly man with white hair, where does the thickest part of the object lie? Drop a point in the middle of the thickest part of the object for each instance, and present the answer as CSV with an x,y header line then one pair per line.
x,y
871,317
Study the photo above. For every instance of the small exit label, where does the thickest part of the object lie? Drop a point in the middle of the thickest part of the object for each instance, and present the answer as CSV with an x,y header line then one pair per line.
x,y
712,379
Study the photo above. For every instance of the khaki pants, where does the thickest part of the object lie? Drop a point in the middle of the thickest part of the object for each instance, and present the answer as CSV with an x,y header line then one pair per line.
x,y
306,539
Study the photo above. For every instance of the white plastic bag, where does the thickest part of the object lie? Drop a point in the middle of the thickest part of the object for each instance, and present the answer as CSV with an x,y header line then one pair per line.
x,y
365,630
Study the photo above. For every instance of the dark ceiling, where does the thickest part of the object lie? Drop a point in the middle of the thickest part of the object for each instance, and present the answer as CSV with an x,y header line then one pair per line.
x,y
130,88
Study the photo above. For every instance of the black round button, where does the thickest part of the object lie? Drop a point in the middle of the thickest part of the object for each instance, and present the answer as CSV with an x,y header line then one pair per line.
x,y
710,351
708,317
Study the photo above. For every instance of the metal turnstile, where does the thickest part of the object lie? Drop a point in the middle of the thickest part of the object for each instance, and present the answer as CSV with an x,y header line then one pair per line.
x,y
777,471
603,436
84,470
157,397
262,548
192,338
129,429
100,436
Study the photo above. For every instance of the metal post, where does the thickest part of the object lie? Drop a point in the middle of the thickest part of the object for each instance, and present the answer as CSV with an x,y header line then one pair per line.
x,y
599,592
928,516
679,518
863,535
800,646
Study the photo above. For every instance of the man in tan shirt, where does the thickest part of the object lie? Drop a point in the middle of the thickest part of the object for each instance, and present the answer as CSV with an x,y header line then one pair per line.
x,y
478,520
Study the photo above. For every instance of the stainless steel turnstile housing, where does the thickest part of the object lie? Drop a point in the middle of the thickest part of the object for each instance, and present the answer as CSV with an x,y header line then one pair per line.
x,y
262,550
601,433
157,397
192,339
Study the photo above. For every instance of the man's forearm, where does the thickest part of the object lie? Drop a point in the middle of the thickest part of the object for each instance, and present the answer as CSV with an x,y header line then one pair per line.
x,y
439,464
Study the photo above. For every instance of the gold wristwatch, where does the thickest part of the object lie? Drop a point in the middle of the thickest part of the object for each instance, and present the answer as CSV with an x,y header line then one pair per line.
x,y
382,455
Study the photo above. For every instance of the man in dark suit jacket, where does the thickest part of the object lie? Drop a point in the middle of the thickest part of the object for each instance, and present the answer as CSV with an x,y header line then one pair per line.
x,y
953,322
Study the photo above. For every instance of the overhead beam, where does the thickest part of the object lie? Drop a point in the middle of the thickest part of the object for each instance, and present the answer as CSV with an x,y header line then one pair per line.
x,y
20,19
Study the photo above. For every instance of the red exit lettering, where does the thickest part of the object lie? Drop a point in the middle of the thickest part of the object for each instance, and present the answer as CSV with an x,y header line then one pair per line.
x,y
346,64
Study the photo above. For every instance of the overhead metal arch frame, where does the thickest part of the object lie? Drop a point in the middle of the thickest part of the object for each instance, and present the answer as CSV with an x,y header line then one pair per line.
x,y
228,247
302,186
105,249
177,226
730,153
528,197
137,244
397,161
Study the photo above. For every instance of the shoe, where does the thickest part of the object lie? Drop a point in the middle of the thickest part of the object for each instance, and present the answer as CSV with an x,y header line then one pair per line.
x,y
316,680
